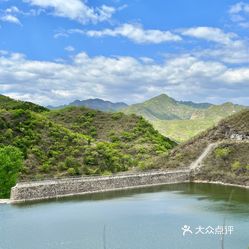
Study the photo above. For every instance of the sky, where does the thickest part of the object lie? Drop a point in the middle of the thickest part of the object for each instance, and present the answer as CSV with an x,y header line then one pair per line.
x,y
53,52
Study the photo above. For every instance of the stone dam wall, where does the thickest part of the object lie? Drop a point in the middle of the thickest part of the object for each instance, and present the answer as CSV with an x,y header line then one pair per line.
x,y
51,189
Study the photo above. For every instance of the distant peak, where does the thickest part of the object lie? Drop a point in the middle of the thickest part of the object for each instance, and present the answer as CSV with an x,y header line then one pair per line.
x,y
163,98
164,95
228,103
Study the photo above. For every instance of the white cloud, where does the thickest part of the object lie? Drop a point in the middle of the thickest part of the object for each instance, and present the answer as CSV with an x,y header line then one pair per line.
x,y
134,32
239,14
227,47
210,34
10,15
239,7
119,78
231,54
69,48
10,19
75,10
240,75
12,9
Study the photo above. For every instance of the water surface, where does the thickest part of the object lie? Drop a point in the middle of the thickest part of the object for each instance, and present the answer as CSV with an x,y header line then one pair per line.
x,y
149,218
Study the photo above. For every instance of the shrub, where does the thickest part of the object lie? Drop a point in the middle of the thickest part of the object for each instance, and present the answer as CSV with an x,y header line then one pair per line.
x,y
71,171
127,136
222,152
117,115
236,166
9,133
71,162
45,168
107,158
11,163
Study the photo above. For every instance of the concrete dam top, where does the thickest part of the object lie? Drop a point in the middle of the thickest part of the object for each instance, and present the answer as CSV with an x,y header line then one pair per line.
x,y
50,189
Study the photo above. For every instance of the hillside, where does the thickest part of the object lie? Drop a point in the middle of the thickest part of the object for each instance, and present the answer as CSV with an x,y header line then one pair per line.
x,y
228,162
182,130
77,141
201,120
195,105
161,107
96,104
129,133
10,104
218,112
181,120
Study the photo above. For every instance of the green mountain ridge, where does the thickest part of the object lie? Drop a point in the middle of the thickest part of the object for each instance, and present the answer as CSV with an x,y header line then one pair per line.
x,y
10,104
195,105
218,111
181,120
96,104
76,141
161,107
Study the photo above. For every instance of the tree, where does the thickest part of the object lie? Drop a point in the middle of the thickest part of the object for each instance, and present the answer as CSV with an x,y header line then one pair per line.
x,y
11,163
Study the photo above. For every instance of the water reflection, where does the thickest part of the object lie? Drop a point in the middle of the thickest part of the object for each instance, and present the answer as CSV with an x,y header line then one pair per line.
x,y
221,198
148,218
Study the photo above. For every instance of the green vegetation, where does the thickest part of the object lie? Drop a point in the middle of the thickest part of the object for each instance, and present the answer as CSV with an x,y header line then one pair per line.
x,y
106,158
77,141
227,163
182,130
161,107
236,166
222,152
11,163
8,104
181,120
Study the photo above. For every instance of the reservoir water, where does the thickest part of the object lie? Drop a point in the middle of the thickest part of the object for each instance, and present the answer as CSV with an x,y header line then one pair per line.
x,y
151,218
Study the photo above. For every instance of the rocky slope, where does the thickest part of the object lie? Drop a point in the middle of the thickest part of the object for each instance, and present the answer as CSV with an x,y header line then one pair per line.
x,y
228,162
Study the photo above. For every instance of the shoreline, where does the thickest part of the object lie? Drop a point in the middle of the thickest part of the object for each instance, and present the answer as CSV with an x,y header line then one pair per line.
x,y
54,189
95,192
222,183
9,201
5,201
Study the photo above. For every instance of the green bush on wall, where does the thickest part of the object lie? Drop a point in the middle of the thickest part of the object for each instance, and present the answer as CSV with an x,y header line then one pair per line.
x,y
11,163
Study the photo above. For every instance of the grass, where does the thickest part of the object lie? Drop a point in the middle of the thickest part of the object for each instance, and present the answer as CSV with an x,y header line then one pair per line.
x,y
182,130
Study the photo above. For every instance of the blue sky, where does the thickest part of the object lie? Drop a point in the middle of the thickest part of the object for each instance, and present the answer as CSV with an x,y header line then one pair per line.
x,y
53,52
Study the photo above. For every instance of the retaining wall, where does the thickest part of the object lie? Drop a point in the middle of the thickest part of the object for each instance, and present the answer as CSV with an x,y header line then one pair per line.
x,y
41,190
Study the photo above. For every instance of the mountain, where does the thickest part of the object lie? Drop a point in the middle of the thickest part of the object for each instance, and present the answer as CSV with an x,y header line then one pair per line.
x,y
77,141
11,104
97,104
227,162
161,107
181,120
195,105
218,112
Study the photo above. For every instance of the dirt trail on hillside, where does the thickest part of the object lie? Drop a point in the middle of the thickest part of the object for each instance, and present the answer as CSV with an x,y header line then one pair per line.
x,y
198,162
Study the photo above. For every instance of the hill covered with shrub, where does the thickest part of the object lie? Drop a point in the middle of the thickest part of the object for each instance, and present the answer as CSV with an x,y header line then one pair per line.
x,y
10,104
96,104
228,162
77,141
181,120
